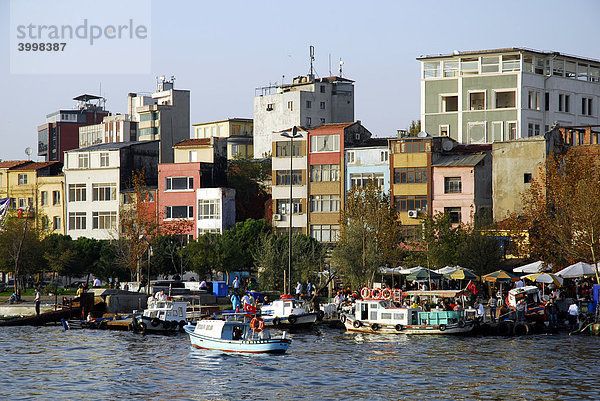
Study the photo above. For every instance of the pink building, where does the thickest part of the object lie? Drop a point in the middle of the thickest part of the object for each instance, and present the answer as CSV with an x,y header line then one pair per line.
x,y
462,183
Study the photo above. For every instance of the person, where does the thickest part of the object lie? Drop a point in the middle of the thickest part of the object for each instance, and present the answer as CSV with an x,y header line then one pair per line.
x,y
37,300
298,290
97,282
573,315
235,302
80,290
552,313
236,284
521,306
12,299
142,283
247,299
308,288
265,300
126,286
519,284
203,285
479,310
493,304
338,300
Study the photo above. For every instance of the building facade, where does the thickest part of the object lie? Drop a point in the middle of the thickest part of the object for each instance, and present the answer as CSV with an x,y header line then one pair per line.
x,y
116,128
238,131
216,210
504,94
308,102
368,162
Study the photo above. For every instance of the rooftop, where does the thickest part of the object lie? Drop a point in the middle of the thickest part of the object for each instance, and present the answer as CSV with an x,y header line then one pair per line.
x,y
235,119
459,160
193,142
111,146
457,53
13,163
36,165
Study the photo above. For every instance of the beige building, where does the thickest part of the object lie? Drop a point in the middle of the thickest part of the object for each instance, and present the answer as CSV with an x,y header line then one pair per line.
x,y
51,198
239,132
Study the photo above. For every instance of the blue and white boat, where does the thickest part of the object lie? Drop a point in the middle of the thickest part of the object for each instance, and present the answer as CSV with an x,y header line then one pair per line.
x,y
236,336
289,312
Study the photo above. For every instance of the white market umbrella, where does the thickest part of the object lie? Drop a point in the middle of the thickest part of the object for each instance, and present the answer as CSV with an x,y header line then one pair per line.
x,y
535,267
577,270
411,270
447,269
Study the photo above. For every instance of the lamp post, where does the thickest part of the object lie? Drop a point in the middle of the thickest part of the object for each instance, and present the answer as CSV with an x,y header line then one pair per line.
x,y
291,136
143,237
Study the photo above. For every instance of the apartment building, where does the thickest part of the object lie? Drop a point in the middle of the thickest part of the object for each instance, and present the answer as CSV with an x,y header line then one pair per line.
x,y
368,162
238,131
497,95
308,102
216,210
115,128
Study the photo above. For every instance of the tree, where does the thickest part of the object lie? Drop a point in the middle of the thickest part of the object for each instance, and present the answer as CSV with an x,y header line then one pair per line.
x,y
60,254
561,209
442,240
246,235
248,178
415,128
370,235
479,253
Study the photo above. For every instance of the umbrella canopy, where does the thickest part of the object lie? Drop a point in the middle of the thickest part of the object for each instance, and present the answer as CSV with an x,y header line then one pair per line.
x,y
447,269
579,269
422,274
535,267
411,270
461,274
500,276
545,278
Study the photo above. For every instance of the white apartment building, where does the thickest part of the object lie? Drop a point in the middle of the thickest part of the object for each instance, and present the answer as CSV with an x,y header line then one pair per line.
x,y
216,210
308,102
116,128
504,94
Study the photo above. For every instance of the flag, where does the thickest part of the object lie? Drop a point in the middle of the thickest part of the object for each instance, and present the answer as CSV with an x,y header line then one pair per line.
x,y
4,205
249,308
472,287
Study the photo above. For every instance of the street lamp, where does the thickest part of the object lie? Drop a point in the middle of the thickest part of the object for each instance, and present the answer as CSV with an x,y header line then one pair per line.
x,y
143,237
291,136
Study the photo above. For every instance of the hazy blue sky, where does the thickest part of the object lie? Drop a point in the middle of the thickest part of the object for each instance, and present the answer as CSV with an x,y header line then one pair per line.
x,y
222,50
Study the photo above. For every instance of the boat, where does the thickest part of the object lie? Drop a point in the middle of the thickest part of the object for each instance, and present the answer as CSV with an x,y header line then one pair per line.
x,y
236,335
289,312
163,316
533,297
376,313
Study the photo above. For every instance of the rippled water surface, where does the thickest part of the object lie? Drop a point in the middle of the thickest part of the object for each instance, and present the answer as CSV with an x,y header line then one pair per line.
x,y
49,363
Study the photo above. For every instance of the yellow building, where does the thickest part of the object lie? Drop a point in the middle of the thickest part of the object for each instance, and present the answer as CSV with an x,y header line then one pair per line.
x,y
239,132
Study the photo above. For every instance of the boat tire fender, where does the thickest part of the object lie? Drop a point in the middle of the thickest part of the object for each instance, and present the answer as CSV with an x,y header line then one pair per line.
x,y
155,322
461,323
399,327
320,315
357,324
343,318
521,329
276,322
166,325
442,327
374,327
292,319
103,325
143,328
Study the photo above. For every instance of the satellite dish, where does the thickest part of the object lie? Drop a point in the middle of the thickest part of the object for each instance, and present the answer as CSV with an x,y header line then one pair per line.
x,y
422,134
28,151
447,145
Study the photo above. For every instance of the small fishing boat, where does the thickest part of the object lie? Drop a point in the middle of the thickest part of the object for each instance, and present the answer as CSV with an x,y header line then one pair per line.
x,y
289,312
236,335
535,309
163,316
377,314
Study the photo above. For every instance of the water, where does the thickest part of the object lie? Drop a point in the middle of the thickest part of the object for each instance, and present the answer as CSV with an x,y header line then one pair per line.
x,y
49,363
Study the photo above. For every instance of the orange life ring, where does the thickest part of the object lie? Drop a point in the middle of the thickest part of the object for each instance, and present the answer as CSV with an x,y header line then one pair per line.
x,y
257,325
376,293
386,294
365,292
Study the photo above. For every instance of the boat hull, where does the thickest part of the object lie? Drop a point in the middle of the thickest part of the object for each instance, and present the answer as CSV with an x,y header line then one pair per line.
x,y
154,325
367,327
305,320
270,346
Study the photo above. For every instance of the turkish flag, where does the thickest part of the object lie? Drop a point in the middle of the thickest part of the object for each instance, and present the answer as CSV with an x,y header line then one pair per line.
x,y
249,308
472,287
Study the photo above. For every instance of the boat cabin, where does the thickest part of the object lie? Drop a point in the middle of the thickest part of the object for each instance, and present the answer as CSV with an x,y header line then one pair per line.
x,y
284,307
384,312
530,293
166,310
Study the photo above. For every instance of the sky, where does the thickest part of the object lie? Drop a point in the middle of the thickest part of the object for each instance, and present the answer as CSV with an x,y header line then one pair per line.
x,y
222,50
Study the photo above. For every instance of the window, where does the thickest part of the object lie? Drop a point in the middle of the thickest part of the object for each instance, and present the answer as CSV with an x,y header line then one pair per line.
x,y
351,158
547,101
530,129
384,156
454,213
270,106
363,179
104,159
77,193
407,202
55,198
283,177
322,88
511,63
179,183
586,106
560,102
477,132
308,104
282,149
469,66
325,203
324,143
567,104
179,212
324,172
84,160
104,192
308,121
56,223
534,100
22,179
452,185
104,220
410,175
594,75
558,67
44,198
536,129
541,66
444,130
511,128
77,220
476,100
431,69
505,99
414,146
527,63
202,231
449,103
193,156
322,121
290,105
322,105
526,178
450,69
497,130
45,223
325,232
570,69
490,64
283,206
209,209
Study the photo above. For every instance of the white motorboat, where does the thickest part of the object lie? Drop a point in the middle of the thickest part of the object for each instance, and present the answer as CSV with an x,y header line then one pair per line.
x,y
289,312
163,316
236,336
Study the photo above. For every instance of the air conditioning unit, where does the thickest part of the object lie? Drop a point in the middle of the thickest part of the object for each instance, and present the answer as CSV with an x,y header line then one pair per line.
x,y
413,214
277,217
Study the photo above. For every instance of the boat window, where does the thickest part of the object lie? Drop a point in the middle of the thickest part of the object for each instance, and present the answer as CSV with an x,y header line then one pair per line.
x,y
363,311
373,315
386,316
398,316
180,311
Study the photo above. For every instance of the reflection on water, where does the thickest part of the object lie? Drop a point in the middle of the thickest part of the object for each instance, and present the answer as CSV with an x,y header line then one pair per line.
x,y
49,363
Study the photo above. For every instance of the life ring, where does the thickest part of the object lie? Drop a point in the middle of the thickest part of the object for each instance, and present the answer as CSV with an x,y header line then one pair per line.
x,y
376,291
461,323
292,319
276,322
320,315
155,322
375,327
357,324
386,294
398,327
442,327
365,292
257,325
343,318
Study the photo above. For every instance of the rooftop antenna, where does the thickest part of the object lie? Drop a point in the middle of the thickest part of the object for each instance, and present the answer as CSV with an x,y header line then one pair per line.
x,y
340,69
312,58
329,64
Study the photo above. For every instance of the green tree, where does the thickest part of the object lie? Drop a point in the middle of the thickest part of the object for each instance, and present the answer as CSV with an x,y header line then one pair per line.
x,y
60,254
415,128
442,240
246,235
249,179
480,253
